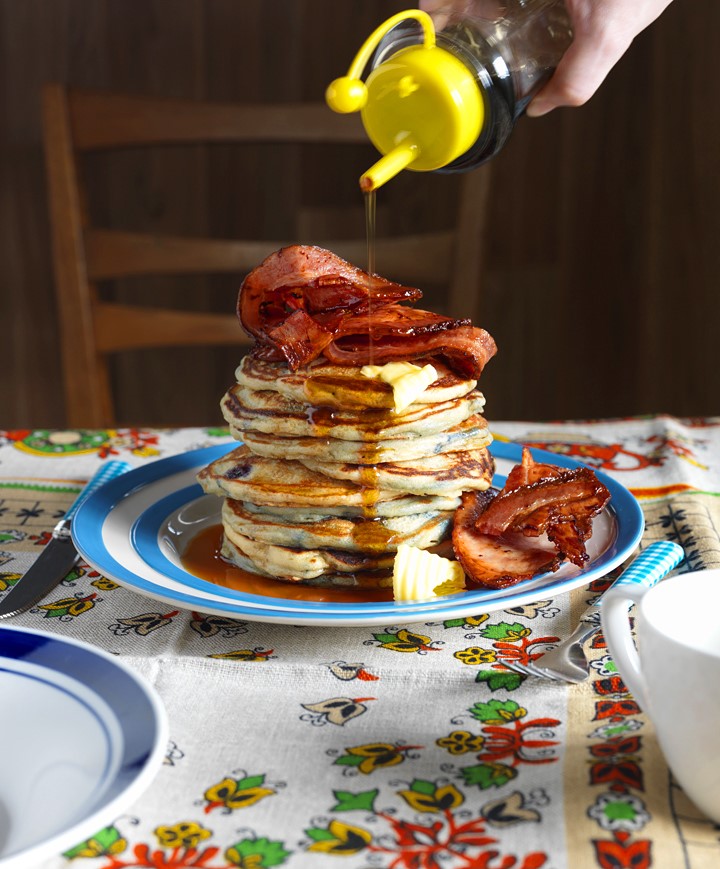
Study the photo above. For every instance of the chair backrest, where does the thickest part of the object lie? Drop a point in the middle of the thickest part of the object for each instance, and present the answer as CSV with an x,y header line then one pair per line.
x,y
84,255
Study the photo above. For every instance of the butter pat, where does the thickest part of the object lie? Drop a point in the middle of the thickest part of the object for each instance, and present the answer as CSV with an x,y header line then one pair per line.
x,y
422,575
408,381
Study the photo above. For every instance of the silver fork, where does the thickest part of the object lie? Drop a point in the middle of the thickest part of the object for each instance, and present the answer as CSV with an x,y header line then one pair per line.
x,y
567,661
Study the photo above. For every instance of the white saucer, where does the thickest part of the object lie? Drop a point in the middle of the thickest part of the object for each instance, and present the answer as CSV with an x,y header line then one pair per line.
x,y
85,736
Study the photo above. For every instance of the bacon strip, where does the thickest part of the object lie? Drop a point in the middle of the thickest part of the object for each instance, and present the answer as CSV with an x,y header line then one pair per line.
x,y
496,562
308,278
538,500
302,302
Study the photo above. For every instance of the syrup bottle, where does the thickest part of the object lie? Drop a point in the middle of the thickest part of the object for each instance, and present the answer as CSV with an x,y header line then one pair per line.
x,y
448,101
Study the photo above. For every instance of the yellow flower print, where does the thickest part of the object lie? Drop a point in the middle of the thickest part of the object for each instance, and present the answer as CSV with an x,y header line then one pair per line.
x,y
8,579
339,838
404,641
424,796
475,655
374,755
461,742
237,793
186,834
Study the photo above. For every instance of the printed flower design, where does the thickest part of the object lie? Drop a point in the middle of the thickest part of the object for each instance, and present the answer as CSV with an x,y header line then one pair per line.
x,y
68,608
336,710
426,796
532,611
232,793
8,580
475,655
405,641
616,728
105,843
187,834
254,853
444,834
605,666
461,742
374,755
619,811
338,838
256,654
143,624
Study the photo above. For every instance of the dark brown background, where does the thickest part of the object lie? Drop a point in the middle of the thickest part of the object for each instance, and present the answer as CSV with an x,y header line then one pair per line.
x,y
600,284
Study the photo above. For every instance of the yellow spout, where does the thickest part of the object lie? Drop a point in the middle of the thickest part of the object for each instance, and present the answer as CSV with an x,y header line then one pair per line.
x,y
388,166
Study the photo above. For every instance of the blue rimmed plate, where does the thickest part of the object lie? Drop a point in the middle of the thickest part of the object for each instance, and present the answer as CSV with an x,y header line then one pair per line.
x,y
86,737
135,528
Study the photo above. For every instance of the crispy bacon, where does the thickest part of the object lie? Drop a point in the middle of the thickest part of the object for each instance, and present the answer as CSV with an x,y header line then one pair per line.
x,y
302,302
538,501
496,562
308,278
397,332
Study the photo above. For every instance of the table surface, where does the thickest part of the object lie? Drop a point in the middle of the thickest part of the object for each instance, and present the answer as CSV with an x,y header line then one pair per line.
x,y
393,746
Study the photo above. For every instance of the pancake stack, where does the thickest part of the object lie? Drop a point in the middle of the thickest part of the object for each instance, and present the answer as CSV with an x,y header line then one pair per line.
x,y
330,479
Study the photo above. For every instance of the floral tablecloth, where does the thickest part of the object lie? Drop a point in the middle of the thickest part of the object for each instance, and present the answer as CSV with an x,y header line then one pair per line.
x,y
393,746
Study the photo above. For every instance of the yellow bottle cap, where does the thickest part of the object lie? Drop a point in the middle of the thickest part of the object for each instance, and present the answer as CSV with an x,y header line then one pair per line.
x,y
422,108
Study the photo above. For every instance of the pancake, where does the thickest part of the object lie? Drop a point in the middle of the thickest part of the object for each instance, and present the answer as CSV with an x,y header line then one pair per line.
x,y
303,564
356,535
403,505
360,579
270,412
323,384
243,476
436,475
471,434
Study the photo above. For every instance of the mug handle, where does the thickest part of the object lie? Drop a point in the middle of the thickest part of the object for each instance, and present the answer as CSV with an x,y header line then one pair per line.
x,y
651,565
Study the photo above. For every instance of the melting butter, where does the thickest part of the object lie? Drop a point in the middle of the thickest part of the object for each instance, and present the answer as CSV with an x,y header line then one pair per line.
x,y
408,381
422,575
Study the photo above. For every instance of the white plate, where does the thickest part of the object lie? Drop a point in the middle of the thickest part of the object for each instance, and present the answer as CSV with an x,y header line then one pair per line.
x,y
135,528
85,737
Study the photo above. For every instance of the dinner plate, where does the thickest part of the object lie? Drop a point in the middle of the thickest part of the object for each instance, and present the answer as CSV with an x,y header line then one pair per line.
x,y
85,737
135,529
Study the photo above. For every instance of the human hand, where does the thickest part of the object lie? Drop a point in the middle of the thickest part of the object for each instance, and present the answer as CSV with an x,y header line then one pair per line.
x,y
603,31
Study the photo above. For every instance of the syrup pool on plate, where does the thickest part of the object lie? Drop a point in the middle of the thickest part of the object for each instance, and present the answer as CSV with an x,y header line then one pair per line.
x,y
202,559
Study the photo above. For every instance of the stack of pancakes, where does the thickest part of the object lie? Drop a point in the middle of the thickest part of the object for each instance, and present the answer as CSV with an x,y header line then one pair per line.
x,y
330,479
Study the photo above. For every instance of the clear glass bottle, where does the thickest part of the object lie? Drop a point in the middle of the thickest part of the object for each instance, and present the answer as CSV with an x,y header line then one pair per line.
x,y
447,99
512,47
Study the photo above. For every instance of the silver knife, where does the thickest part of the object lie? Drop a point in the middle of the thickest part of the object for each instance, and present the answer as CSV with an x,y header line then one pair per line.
x,y
58,555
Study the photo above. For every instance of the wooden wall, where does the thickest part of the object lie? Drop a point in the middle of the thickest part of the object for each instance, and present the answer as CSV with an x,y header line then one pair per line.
x,y
603,249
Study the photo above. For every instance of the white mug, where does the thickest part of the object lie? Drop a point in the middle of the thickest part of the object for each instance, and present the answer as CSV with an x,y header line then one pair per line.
x,y
675,672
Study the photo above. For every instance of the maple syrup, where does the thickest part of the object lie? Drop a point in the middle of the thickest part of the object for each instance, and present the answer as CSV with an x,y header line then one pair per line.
x,y
370,219
202,559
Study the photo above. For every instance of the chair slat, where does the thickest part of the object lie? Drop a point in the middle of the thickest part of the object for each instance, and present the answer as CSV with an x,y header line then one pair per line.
x,y
112,121
128,327
118,254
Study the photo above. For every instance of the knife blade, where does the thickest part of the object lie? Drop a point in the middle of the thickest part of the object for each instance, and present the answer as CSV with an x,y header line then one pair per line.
x,y
59,554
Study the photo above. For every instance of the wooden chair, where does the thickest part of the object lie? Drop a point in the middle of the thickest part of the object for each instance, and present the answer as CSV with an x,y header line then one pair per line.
x,y
93,329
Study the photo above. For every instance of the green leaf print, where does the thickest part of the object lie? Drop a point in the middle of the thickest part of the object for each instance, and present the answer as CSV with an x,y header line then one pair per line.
x,y
505,631
497,711
453,623
496,679
251,781
106,841
257,852
488,775
348,802
385,638
349,760
319,835
421,786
